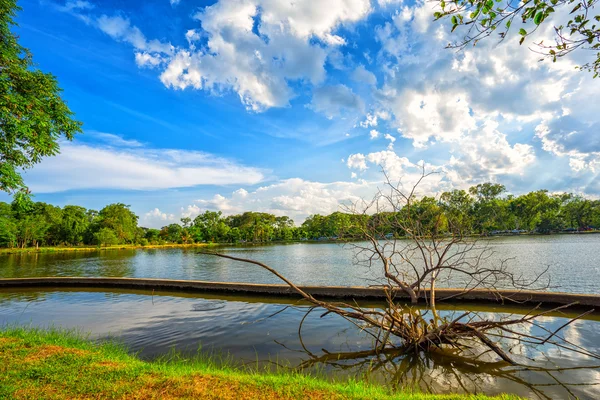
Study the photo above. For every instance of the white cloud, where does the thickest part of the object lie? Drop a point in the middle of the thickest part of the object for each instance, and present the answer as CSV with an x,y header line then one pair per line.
x,y
374,134
361,74
568,137
391,139
488,154
148,60
174,2
120,28
371,120
80,166
430,114
75,6
114,140
156,219
357,161
258,65
332,100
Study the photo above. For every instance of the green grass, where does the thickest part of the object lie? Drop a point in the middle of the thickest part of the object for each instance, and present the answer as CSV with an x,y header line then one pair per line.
x,y
59,364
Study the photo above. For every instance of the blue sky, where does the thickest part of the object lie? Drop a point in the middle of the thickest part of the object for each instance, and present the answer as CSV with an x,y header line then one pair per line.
x,y
294,107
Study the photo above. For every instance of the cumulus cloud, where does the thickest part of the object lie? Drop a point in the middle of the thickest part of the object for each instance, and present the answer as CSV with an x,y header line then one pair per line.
x,y
391,139
488,155
148,60
568,137
81,166
357,161
333,100
361,74
157,219
374,134
256,47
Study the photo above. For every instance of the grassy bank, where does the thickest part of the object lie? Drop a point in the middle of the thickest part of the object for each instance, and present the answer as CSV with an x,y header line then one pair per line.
x,y
54,364
59,249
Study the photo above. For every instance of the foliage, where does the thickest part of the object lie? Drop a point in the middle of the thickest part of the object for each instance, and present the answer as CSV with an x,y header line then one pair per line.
x,y
33,116
106,237
482,210
121,220
481,18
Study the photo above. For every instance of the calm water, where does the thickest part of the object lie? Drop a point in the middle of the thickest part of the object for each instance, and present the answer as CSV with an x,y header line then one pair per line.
x,y
238,326
573,262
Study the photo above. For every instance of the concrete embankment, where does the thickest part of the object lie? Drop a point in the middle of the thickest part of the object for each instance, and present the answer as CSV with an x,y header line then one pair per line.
x,y
329,292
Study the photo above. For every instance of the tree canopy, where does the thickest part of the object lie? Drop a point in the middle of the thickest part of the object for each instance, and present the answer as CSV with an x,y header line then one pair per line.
x,y
33,116
576,29
482,210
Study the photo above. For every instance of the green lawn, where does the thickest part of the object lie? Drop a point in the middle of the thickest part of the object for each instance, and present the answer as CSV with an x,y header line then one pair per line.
x,y
55,364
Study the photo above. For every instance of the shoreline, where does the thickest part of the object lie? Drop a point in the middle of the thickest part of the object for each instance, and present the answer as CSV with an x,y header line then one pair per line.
x,y
61,364
91,248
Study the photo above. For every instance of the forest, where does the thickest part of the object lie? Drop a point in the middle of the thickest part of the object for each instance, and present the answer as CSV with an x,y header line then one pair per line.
x,y
484,209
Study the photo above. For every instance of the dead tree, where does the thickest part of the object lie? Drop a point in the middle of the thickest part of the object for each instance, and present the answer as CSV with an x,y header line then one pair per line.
x,y
415,251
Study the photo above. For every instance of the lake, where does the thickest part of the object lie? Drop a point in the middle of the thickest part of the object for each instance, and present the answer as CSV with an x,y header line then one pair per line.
x,y
240,327
573,263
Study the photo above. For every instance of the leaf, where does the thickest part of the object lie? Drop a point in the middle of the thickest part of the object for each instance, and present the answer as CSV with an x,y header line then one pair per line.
x,y
454,20
577,7
522,39
508,25
538,18
522,32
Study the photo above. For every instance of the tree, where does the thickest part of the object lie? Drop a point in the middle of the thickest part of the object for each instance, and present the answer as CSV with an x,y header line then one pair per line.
x,y
8,229
74,224
121,220
488,209
33,116
106,237
481,18
208,225
458,207
171,233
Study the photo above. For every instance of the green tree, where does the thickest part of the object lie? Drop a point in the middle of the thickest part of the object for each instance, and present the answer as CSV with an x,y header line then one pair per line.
x,y
172,233
478,19
458,208
151,234
120,219
8,228
74,224
208,223
33,115
489,210
106,237
52,216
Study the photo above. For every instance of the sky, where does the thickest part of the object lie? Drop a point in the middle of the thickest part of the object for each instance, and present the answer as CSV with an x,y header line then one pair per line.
x,y
294,107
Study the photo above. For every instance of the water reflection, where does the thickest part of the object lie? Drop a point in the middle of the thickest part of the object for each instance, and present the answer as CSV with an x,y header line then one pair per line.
x,y
573,261
153,323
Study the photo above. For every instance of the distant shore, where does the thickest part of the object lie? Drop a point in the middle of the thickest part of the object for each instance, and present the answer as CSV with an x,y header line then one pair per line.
x,y
58,249
91,248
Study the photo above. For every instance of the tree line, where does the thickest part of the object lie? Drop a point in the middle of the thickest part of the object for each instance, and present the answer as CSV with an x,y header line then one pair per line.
x,y
483,209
